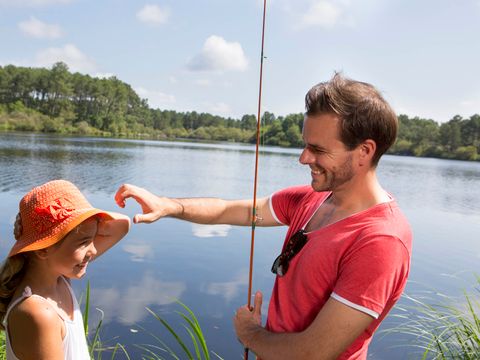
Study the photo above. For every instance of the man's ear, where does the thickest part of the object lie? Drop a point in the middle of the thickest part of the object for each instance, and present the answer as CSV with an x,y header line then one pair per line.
x,y
366,152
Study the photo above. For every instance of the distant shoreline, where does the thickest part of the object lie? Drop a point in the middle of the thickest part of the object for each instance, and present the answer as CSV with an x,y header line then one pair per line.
x,y
193,140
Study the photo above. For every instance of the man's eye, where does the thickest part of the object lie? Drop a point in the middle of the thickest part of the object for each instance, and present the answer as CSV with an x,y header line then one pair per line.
x,y
317,151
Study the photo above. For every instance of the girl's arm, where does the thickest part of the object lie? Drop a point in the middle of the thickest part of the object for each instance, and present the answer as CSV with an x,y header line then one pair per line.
x,y
110,232
35,331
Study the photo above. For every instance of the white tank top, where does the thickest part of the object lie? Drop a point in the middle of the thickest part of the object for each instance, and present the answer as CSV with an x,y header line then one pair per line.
x,y
74,343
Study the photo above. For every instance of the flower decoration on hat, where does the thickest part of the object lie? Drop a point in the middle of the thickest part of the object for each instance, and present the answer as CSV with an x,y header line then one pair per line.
x,y
55,212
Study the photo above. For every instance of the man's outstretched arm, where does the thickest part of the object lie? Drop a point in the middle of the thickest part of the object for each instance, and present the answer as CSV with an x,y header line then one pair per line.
x,y
197,210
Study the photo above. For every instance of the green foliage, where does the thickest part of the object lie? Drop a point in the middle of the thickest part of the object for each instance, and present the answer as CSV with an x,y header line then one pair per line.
x,y
456,139
449,330
466,153
58,101
3,351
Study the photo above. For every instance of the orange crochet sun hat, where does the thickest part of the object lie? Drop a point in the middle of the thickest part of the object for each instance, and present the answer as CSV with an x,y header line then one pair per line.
x,y
48,213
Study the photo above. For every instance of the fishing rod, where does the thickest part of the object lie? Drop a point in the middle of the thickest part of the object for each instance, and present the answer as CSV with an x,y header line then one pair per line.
x,y
257,143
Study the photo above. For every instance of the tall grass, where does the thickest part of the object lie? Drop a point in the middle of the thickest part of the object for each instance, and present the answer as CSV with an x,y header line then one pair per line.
x,y
449,329
97,348
194,348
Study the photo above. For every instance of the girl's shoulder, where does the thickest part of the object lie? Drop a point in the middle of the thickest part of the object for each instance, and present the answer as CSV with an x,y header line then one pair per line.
x,y
35,329
34,311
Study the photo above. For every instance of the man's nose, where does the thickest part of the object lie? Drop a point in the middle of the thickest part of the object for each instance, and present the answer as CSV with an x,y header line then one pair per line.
x,y
305,157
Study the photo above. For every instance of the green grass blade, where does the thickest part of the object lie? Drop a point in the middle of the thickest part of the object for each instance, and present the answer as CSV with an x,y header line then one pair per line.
x,y
86,311
154,356
96,343
165,348
195,325
194,341
117,346
174,334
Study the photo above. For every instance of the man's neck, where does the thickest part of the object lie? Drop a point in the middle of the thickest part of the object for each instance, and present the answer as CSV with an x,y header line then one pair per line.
x,y
356,196
359,194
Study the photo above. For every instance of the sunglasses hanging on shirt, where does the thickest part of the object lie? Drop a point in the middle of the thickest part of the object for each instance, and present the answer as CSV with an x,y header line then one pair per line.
x,y
296,242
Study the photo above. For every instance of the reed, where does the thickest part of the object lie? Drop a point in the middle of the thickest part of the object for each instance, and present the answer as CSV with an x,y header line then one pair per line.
x,y
449,329
194,348
97,348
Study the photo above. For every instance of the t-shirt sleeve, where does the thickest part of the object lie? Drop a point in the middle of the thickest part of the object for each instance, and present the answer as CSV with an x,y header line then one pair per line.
x,y
371,273
284,203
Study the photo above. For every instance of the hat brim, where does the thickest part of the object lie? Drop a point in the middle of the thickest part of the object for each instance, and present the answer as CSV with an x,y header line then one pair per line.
x,y
21,247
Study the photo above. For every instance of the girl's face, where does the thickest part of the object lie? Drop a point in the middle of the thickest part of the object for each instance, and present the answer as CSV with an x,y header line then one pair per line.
x,y
72,255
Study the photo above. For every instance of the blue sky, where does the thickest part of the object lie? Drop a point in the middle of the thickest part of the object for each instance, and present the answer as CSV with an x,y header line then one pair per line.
x,y
204,55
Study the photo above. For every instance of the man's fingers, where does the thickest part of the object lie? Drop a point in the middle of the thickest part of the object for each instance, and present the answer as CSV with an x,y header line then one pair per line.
x,y
257,303
122,193
145,218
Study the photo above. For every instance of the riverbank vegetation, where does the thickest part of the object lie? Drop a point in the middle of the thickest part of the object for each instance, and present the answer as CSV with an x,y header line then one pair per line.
x,y
58,101
442,328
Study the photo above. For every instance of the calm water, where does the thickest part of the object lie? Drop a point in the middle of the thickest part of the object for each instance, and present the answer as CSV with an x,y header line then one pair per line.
x,y
206,267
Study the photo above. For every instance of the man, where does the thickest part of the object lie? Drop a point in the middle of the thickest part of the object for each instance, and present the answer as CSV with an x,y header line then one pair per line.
x,y
346,256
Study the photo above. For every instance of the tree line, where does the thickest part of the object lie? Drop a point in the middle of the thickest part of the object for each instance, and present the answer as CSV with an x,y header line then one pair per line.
x,y
58,101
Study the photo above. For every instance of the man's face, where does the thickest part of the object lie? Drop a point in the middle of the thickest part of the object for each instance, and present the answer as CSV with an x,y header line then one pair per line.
x,y
331,163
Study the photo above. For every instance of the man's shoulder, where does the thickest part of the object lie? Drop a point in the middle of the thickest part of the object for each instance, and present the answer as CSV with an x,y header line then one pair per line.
x,y
301,192
388,221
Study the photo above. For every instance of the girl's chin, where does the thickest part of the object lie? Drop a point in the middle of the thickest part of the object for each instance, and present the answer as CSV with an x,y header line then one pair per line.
x,y
78,272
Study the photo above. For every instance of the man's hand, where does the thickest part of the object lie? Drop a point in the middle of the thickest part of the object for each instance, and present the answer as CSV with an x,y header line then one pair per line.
x,y
247,322
153,207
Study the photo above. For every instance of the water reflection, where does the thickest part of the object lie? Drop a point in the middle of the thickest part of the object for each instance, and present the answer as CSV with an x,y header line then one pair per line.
x,y
127,305
229,290
203,231
139,250
205,266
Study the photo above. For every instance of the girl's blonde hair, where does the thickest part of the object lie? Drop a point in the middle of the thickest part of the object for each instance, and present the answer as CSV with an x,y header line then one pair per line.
x,y
11,274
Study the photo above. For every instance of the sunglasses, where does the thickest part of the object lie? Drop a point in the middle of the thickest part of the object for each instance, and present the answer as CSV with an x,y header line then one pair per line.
x,y
293,247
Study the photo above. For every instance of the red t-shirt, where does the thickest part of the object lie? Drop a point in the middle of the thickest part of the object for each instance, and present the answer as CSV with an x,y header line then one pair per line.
x,y
362,261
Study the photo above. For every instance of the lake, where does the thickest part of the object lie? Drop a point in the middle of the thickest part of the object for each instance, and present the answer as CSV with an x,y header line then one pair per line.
x,y
206,267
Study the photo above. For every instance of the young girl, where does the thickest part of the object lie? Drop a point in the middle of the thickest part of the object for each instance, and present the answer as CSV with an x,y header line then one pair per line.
x,y
57,234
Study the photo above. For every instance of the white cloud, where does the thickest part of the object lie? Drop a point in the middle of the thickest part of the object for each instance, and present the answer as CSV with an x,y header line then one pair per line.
x,y
203,82
322,13
471,105
139,251
103,75
69,54
210,230
25,3
228,289
39,29
147,291
156,99
153,15
219,55
220,108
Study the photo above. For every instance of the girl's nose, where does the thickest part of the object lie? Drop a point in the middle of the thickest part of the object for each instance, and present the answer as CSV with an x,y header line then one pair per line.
x,y
92,250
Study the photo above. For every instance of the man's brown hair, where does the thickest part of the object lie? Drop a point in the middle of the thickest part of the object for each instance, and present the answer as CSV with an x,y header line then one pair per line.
x,y
363,112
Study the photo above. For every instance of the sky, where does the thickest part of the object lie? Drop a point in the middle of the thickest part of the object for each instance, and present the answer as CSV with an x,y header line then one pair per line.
x,y
204,55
